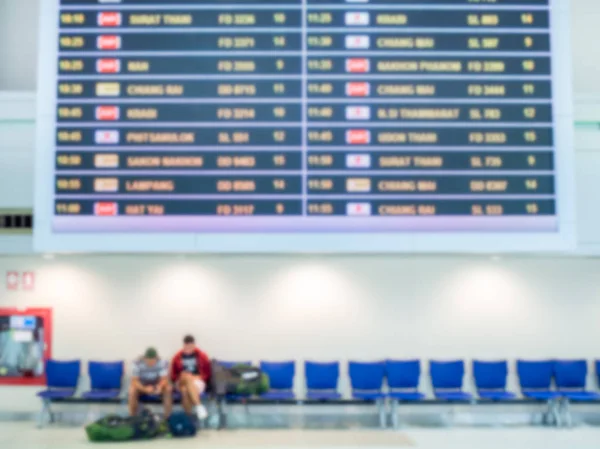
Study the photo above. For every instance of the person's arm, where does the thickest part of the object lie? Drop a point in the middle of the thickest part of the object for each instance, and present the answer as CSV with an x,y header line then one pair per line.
x,y
135,378
173,369
205,367
164,378
135,381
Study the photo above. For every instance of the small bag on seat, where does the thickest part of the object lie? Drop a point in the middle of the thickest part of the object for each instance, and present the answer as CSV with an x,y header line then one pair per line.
x,y
244,380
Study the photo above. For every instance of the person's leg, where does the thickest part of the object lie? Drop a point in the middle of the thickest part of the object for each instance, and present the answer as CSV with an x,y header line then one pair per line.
x,y
196,387
185,399
167,399
133,399
193,390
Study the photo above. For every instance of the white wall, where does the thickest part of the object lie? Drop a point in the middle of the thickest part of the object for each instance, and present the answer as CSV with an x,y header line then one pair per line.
x,y
18,44
112,307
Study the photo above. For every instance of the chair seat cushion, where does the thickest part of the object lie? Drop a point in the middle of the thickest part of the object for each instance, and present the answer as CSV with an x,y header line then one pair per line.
x,y
408,396
150,398
234,397
543,395
581,396
454,396
101,394
367,395
276,395
323,396
497,395
57,394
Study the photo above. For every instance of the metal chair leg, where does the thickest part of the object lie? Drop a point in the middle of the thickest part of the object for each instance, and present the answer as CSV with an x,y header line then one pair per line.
x,y
567,412
43,413
395,417
554,410
381,408
221,404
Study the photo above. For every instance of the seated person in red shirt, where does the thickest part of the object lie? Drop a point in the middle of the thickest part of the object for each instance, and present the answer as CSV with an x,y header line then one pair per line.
x,y
190,371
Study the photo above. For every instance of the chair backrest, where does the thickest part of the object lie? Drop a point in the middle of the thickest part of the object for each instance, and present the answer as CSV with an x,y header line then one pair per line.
x,y
322,376
230,364
570,373
403,374
366,376
62,374
447,375
490,375
535,375
281,374
105,375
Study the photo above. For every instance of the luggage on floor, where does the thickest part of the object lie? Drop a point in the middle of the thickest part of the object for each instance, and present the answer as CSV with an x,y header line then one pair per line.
x,y
117,428
182,425
244,380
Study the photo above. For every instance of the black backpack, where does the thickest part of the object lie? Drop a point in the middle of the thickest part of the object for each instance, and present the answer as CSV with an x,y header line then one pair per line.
x,y
182,425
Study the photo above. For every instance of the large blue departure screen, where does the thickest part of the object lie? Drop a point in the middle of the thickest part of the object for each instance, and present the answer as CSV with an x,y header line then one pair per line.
x,y
305,125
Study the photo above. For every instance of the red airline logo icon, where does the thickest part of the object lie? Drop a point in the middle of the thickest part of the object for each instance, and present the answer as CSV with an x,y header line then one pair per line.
x,y
358,161
108,42
358,65
358,89
108,66
109,19
358,137
363,209
105,209
107,113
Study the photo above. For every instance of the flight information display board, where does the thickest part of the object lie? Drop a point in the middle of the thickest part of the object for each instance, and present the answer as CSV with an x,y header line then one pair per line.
x,y
304,125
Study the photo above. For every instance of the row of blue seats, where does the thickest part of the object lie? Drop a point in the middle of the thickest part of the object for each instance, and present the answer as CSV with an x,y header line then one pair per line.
x,y
366,379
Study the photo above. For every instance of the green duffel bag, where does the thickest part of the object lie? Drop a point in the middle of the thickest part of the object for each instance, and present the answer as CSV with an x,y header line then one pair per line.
x,y
117,428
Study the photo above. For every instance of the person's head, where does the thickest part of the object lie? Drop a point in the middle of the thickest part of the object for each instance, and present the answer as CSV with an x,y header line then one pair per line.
x,y
151,356
189,344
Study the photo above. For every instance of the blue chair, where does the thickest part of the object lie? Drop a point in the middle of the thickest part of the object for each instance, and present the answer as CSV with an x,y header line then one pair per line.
x,y
106,380
403,380
490,380
61,379
366,380
447,380
322,381
535,379
61,382
281,380
571,378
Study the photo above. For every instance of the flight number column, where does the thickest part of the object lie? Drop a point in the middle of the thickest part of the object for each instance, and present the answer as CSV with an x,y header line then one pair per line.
x,y
193,111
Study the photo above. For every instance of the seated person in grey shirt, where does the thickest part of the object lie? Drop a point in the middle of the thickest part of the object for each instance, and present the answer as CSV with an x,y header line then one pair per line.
x,y
150,377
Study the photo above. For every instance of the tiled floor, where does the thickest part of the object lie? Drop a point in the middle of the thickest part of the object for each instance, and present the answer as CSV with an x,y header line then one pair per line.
x,y
24,435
